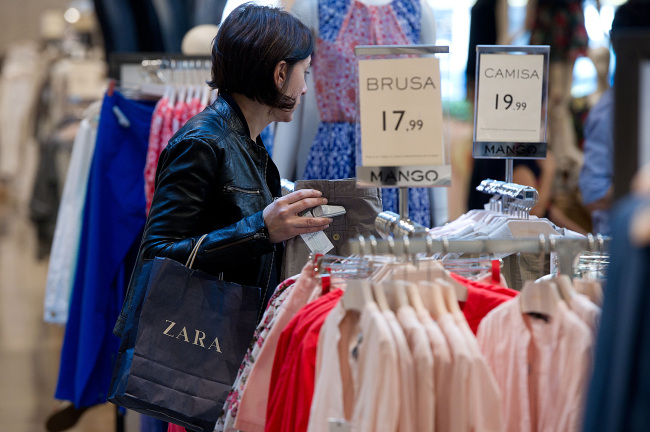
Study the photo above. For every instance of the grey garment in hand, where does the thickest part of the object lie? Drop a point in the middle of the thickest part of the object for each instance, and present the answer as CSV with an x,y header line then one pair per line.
x,y
362,205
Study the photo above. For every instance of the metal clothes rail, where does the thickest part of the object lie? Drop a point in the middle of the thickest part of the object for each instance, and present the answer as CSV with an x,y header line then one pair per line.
x,y
565,248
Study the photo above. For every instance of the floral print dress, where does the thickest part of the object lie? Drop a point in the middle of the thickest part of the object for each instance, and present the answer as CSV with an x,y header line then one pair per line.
x,y
227,419
342,25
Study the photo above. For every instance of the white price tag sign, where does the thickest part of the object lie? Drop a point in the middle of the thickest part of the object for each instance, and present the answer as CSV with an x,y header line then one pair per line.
x,y
510,92
401,112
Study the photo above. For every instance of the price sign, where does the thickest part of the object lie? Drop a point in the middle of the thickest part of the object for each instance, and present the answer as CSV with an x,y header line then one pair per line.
x,y
509,105
400,112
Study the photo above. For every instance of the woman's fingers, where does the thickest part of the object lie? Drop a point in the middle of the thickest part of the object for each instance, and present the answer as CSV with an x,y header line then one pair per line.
x,y
300,195
309,222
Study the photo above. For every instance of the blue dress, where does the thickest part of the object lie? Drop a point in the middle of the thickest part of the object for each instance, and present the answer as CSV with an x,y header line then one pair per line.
x,y
113,220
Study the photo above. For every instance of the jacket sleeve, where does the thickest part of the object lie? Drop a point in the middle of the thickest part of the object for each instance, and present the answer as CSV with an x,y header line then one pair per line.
x,y
185,200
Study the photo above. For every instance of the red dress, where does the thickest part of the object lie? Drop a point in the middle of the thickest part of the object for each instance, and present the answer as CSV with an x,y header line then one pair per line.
x,y
294,367
481,299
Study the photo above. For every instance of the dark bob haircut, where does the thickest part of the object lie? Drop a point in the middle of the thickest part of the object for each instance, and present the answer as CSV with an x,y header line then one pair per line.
x,y
251,41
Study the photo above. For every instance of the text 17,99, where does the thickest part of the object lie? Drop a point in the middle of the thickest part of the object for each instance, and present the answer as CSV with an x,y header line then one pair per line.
x,y
395,121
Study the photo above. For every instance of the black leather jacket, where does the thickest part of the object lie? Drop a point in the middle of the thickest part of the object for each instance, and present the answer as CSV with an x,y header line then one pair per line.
x,y
212,178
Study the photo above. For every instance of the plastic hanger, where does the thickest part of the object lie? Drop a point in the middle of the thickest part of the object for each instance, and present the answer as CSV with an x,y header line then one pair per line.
x,y
539,298
414,297
564,287
449,295
591,288
357,294
431,293
380,297
396,294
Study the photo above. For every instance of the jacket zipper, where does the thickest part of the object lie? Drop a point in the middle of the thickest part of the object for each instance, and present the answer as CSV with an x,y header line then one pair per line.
x,y
255,236
230,188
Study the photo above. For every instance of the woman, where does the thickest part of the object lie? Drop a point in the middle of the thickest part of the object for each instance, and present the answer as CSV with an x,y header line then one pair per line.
x,y
215,177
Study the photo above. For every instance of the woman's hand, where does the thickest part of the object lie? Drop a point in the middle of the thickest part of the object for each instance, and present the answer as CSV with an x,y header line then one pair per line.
x,y
282,220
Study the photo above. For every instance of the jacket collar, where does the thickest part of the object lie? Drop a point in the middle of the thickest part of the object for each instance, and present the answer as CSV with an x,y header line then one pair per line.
x,y
228,103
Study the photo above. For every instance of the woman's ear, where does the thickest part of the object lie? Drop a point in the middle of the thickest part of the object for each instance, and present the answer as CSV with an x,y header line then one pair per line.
x,y
280,74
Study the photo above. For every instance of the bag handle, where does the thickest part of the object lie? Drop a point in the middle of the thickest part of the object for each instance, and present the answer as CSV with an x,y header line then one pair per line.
x,y
195,251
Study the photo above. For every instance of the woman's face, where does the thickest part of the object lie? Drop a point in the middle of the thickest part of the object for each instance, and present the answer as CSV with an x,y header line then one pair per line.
x,y
295,88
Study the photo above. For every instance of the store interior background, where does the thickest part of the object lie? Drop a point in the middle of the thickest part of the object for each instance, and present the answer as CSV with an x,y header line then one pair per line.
x,y
30,348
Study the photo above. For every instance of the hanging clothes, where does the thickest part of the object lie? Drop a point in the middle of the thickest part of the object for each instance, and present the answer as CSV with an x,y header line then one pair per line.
x,y
313,360
233,400
293,374
342,25
113,220
65,245
542,366
254,396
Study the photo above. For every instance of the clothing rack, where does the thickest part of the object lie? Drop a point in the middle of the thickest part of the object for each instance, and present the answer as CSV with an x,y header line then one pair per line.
x,y
389,223
510,198
565,248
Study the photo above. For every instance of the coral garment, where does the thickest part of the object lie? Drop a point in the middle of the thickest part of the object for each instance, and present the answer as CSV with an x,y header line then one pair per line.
x,y
294,367
481,299
342,25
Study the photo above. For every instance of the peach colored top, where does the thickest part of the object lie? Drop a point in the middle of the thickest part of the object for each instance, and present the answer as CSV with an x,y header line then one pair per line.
x,y
408,404
458,390
358,378
484,393
377,406
254,400
442,370
587,311
541,367
422,354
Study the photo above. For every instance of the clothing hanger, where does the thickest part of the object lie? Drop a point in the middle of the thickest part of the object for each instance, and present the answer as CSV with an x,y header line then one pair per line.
x,y
395,291
565,287
380,297
357,295
591,287
431,292
435,269
412,291
432,295
449,295
540,298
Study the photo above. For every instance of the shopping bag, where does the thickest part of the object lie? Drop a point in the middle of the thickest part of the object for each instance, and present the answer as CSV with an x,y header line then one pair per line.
x,y
180,355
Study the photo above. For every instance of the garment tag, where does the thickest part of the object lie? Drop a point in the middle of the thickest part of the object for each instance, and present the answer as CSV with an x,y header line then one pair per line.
x,y
317,242
338,425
